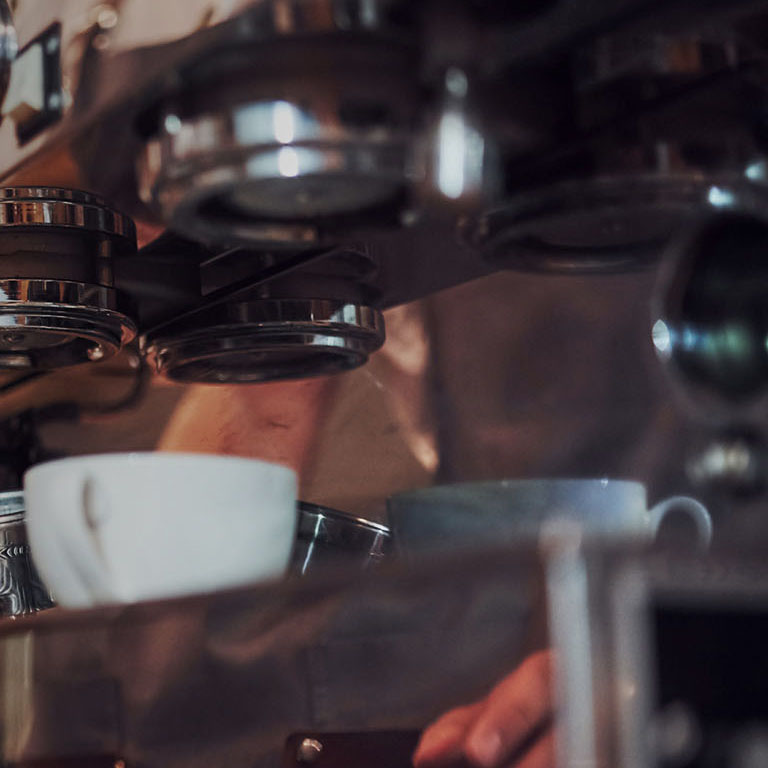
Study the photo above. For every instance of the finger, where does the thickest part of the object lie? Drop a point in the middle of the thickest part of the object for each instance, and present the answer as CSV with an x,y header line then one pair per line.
x,y
443,741
514,710
540,755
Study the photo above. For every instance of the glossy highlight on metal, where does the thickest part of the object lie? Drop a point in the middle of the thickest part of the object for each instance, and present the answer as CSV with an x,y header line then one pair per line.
x,y
53,207
329,538
53,323
21,588
263,340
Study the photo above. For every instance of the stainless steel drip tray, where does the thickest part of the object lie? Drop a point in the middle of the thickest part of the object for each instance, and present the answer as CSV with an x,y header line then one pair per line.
x,y
224,679
264,340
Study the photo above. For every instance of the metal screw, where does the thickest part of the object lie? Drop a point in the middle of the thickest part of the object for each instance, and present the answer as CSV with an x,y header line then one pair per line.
x,y
54,101
96,353
106,17
52,45
309,750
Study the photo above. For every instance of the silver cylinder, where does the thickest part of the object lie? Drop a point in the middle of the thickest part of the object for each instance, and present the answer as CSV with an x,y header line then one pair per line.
x,y
21,589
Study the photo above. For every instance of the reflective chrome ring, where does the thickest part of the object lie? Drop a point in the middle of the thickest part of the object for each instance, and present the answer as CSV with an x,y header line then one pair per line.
x,y
605,224
58,292
53,207
266,340
266,171
53,323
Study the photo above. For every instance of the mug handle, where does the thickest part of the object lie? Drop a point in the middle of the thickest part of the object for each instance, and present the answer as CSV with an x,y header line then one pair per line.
x,y
695,509
91,562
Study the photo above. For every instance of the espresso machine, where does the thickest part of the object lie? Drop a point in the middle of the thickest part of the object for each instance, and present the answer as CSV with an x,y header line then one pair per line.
x,y
234,192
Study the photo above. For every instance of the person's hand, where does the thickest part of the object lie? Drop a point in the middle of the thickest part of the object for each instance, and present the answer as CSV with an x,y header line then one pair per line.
x,y
512,726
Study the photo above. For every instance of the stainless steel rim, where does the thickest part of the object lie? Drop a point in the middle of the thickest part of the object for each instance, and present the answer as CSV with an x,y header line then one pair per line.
x,y
85,322
58,294
510,234
326,537
208,159
265,340
11,505
62,208
314,512
288,316
78,323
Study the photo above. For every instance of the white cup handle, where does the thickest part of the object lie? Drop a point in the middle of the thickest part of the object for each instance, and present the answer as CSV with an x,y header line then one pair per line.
x,y
695,509
83,535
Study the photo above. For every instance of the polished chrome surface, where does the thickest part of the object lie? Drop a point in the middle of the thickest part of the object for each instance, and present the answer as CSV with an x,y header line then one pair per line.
x,y
327,537
54,323
711,320
266,339
53,207
147,74
594,225
460,167
636,176
11,503
21,589
256,153
64,311
59,292
267,167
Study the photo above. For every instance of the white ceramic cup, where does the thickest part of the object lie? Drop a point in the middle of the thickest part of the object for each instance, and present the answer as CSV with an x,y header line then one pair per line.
x,y
488,513
119,528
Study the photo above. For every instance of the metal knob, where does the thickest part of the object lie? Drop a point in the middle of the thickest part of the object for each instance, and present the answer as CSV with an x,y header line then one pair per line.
x,y
309,750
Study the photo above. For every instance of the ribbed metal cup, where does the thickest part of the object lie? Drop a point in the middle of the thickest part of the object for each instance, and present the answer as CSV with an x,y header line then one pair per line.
x,y
21,589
